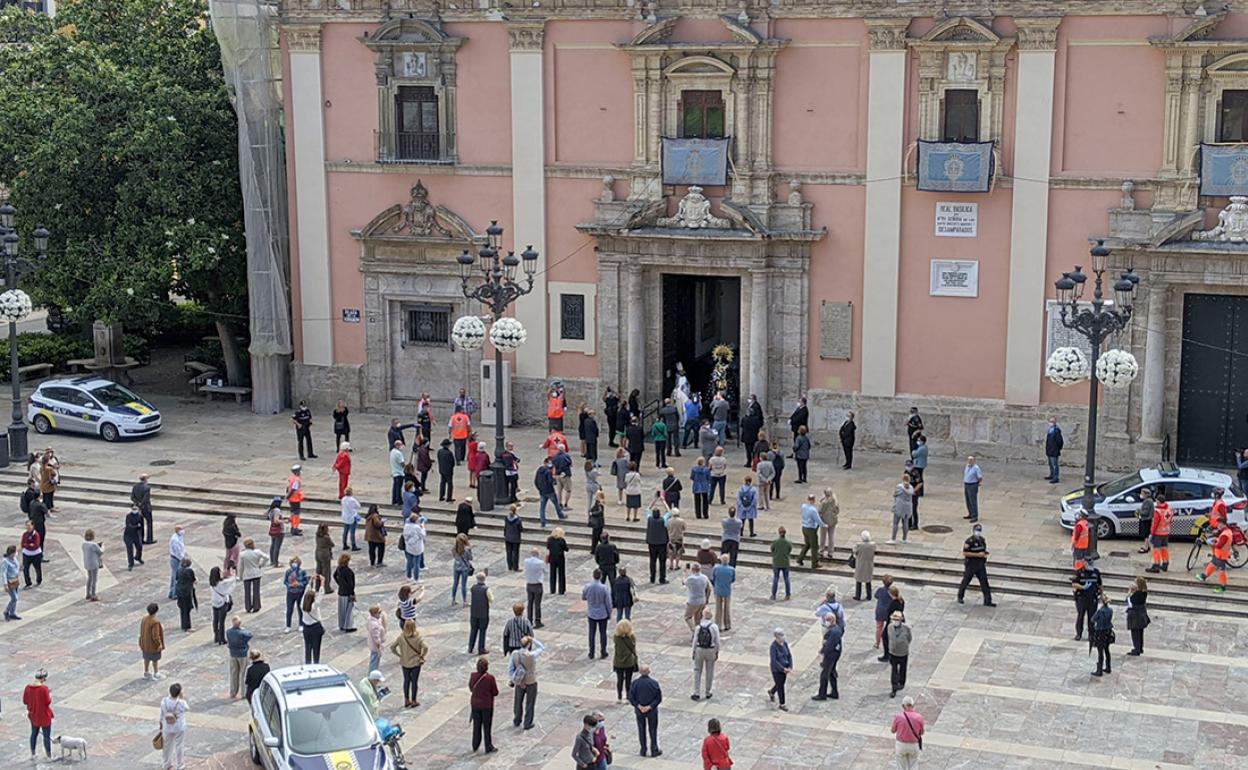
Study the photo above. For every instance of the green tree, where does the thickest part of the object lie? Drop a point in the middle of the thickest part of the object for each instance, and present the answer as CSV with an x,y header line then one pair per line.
x,y
117,134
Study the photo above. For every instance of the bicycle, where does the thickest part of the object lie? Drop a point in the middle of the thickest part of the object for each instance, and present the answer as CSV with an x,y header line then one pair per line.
x,y
1204,536
391,732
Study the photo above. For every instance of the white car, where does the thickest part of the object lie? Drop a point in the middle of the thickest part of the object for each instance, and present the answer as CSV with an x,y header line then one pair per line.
x,y
312,718
91,405
1189,492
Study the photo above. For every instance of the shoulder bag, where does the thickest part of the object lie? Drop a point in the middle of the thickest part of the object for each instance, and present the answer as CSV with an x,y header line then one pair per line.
x,y
912,731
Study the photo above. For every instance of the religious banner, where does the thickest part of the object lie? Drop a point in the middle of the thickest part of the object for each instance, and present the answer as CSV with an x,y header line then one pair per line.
x,y
1224,169
695,161
955,166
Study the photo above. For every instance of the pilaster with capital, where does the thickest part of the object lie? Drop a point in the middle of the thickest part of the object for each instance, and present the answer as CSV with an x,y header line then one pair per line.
x,y
528,36
304,38
1038,34
887,34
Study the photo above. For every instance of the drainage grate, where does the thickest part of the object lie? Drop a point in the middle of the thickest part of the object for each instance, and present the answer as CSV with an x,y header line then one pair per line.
x,y
1119,554
160,463
937,529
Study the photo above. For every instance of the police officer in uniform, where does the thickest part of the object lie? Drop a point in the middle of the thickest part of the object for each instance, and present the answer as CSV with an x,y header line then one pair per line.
x,y
1086,586
302,418
975,565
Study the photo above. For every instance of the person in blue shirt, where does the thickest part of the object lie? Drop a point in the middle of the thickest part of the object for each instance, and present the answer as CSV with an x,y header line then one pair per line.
x,y
722,578
781,666
700,475
411,499
830,655
645,695
693,410
811,524
295,580
597,598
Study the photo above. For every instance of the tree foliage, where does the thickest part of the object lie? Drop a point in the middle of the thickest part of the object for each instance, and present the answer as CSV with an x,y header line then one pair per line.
x,y
118,135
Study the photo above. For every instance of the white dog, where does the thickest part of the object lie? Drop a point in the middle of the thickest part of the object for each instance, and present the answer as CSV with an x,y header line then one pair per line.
x,y
70,746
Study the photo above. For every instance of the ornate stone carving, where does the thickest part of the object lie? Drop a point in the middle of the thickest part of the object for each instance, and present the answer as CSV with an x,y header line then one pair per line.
x,y
1232,224
1128,196
608,189
1037,34
962,66
694,213
795,192
419,216
887,34
526,37
303,39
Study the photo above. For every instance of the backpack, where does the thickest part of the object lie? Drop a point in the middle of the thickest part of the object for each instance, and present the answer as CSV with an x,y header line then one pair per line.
x,y
705,640
516,671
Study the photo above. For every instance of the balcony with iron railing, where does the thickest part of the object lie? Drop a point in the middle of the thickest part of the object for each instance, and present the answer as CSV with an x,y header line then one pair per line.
x,y
413,147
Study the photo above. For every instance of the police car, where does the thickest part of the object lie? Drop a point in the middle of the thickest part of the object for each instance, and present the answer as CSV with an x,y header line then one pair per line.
x,y
1189,492
312,718
91,405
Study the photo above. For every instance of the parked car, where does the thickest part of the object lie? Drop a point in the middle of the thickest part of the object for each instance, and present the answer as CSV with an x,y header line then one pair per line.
x,y
91,405
1189,491
305,717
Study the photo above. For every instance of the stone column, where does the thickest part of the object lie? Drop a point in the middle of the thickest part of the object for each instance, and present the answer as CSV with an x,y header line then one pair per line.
x,y
528,187
886,111
1029,229
1153,400
308,139
636,333
758,335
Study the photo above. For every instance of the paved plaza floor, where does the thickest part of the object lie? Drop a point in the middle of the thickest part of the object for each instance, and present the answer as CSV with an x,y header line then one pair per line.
x,y
1000,688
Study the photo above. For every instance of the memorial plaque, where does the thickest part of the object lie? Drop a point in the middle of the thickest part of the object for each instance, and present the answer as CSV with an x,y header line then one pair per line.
x,y
836,330
1058,336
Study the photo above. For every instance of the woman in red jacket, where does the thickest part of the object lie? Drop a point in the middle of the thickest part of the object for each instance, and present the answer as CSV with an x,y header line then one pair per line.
x,y
38,700
482,689
715,748
478,461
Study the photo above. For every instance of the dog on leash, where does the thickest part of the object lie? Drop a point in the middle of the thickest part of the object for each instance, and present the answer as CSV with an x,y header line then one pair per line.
x,y
71,746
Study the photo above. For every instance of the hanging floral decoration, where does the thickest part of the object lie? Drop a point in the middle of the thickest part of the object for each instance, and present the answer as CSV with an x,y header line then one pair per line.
x,y
507,334
1067,366
468,333
1116,369
15,305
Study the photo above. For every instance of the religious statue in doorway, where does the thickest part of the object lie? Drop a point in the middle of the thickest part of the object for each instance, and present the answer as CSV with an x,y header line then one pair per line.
x,y
721,379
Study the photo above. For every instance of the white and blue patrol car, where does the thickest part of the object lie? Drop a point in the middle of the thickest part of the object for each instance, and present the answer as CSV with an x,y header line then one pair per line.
x,y
312,718
91,405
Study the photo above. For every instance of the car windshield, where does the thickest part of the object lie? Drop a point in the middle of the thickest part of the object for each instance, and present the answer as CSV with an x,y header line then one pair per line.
x,y
1119,485
329,727
113,394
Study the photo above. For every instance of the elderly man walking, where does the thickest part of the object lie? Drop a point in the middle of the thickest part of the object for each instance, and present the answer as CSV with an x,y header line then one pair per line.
x,y
811,524
597,598
829,513
705,643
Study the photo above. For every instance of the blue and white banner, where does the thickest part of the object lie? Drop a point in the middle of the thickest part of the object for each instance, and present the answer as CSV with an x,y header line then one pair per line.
x,y
1224,169
702,162
955,166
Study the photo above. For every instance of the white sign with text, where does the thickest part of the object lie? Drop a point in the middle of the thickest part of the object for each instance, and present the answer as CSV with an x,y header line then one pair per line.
x,y
955,278
957,220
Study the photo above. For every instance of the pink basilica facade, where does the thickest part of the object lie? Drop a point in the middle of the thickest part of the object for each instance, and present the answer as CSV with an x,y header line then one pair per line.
x,y
868,202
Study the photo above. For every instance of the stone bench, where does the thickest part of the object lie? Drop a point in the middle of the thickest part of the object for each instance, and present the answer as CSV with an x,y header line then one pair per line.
x,y
39,371
239,393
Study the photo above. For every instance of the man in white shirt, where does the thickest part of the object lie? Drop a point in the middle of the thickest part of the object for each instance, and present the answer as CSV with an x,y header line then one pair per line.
x,y
177,552
396,473
414,536
534,579
705,652
350,518
698,587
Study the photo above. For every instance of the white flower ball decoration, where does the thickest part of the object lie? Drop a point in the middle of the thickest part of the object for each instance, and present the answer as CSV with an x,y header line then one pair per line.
x,y
14,305
507,334
468,333
1116,369
1067,366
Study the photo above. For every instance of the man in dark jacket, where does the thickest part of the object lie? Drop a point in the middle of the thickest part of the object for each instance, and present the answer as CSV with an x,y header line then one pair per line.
x,y
141,496
1085,585
848,435
831,654
513,528
302,419
1053,444
465,519
446,472
751,424
669,413
645,695
607,556
635,441
395,433
800,417
591,435
256,673
656,541
544,481
914,426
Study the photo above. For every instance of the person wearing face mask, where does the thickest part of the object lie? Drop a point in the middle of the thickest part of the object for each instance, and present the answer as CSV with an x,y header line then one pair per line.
x,y
899,638
975,561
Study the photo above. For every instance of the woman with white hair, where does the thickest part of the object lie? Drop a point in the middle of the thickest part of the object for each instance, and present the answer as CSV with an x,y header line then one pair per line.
x,y
863,562
781,666
908,729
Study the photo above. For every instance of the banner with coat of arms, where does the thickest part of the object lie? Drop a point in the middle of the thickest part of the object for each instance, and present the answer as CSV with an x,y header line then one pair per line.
x,y
955,166
702,162
1224,169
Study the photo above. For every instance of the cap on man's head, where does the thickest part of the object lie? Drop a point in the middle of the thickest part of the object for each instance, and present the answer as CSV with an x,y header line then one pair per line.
x,y
376,676
296,468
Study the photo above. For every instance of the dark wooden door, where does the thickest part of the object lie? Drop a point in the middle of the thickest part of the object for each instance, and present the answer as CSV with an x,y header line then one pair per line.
x,y
1213,380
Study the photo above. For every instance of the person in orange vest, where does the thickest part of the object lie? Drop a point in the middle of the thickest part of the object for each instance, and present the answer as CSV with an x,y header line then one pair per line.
x,y
1080,540
554,439
554,410
342,466
1218,513
1159,535
1221,557
460,427
294,495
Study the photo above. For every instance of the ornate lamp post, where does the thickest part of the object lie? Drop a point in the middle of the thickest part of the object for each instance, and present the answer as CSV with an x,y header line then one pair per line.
x,y
499,287
15,305
1094,321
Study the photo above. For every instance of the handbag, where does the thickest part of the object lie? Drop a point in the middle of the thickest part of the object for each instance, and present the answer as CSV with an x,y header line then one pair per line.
x,y
853,560
158,740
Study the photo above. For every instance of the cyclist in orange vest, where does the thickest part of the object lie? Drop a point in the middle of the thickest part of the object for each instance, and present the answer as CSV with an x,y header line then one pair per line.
x,y
294,495
554,410
460,427
1221,558
1159,535
1218,513
1080,539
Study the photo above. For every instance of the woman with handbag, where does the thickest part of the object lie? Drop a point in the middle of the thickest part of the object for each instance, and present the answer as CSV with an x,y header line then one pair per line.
x,y
623,595
277,531
222,586
624,655
482,690
313,629
908,729
411,649
1137,615
233,537
375,534
1102,636
172,735
344,576
11,582
461,567
557,558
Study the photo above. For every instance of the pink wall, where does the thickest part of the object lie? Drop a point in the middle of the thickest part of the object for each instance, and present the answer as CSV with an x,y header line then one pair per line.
x,y
836,276
350,93
292,202
483,125
570,255
820,122
953,345
589,93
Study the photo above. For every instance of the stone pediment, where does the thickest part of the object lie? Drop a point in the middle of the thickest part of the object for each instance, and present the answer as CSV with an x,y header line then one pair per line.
x,y
658,36
695,218
418,220
961,30
409,33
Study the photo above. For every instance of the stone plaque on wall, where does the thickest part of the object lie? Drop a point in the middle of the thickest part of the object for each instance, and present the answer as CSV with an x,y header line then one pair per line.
x,y
836,327
1058,336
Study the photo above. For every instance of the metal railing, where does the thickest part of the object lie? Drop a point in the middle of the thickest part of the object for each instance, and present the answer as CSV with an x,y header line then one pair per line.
x,y
412,147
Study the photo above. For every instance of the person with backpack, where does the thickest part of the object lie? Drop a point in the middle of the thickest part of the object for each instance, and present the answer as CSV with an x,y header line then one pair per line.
x,y
705,653
522,675
295,580
747,503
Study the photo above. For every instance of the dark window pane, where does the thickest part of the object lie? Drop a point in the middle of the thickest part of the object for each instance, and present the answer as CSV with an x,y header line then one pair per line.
x,y
715,123
428,324
572,316
416,123
1233,117
693,121
961,115
702,114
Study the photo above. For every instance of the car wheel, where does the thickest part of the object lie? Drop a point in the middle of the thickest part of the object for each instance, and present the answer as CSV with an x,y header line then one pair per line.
x,y
42,424
1104,530
109,431
255,751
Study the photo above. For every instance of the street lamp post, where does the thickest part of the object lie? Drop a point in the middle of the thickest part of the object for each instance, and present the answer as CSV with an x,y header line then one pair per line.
x,y
498,289
1094,321
14,267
